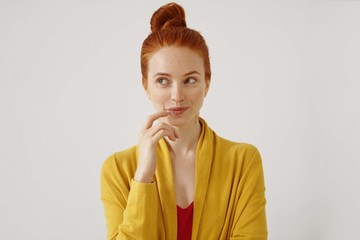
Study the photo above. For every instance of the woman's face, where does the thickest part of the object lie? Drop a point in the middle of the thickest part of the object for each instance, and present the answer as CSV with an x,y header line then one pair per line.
x,y
176,84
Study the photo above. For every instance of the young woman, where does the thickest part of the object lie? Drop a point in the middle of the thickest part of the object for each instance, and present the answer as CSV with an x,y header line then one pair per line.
x,y
181,181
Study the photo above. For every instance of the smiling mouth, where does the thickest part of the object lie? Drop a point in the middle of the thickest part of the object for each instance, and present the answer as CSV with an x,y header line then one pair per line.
x,y
177,110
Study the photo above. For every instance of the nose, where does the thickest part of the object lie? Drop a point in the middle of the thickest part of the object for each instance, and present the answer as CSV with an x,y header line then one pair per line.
x,y
177,93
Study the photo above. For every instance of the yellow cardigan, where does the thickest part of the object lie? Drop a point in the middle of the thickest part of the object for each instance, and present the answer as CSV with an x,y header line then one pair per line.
x,y
229,200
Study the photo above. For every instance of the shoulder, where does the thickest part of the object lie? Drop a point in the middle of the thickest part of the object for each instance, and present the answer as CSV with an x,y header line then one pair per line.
x,y
238,147
239,159
122,163
228,147
230,151
238,151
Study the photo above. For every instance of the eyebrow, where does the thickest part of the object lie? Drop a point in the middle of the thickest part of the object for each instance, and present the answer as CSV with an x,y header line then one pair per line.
x,y
169,75
191,73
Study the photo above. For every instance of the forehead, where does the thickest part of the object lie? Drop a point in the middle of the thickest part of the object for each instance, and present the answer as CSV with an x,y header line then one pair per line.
x,y
175,60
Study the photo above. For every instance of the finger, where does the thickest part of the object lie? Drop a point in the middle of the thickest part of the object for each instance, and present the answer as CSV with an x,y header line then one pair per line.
x,y
164,133
163,126
152,118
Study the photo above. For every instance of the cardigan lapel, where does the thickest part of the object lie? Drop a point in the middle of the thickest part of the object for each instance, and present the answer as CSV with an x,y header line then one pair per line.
x,y
165,182
204,158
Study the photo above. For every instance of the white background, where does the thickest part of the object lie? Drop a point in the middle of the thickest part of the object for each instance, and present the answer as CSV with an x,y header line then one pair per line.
x,y
285,78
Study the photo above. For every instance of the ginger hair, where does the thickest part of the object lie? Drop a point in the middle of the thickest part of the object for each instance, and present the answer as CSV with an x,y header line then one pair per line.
x,y
168,28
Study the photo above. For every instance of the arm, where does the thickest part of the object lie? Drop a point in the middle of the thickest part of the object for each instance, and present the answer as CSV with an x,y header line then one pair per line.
x,y
250,218
129,195
130,207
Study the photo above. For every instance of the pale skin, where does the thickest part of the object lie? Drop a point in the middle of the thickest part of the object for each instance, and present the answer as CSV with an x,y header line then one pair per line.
x,y
176,86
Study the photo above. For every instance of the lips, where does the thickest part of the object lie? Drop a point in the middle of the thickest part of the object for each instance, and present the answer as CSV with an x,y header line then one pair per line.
x,y
177,110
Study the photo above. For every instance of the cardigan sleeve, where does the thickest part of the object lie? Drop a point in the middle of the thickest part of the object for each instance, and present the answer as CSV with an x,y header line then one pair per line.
x,y
250,217
130,207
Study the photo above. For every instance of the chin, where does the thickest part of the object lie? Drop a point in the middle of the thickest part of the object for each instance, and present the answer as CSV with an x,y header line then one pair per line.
x,y
176,121
179,121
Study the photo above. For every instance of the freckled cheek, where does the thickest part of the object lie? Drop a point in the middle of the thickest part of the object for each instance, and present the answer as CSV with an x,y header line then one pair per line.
x,y
161,99
197,95
198,99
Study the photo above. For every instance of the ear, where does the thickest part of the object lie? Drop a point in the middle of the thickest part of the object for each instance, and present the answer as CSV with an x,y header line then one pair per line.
x,y
147,93
207,86
146,90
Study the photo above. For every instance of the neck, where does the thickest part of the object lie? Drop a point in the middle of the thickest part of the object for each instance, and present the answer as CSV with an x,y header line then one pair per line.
x,y
188,138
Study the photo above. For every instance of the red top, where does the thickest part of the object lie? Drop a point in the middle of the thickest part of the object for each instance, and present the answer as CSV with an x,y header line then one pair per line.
x,y
185,219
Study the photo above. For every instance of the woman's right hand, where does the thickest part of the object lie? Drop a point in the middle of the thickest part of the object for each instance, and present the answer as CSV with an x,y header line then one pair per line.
x,y
148,138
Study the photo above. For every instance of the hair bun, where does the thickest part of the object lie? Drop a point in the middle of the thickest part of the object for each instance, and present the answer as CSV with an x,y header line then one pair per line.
x,y
167,16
